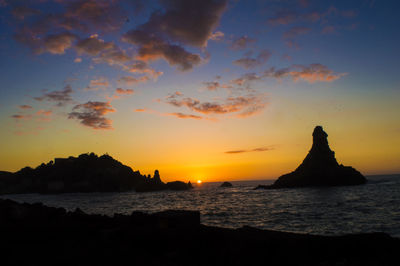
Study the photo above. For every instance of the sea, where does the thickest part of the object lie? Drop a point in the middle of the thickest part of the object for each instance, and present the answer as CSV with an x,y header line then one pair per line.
x,y
374,207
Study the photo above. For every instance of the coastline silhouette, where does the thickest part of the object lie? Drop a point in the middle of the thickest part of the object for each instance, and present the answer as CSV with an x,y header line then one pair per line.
x,y
85,173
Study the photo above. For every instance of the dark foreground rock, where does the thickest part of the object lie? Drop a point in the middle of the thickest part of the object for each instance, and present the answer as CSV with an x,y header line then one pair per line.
x,y
319,168
226,184
85,173
39,235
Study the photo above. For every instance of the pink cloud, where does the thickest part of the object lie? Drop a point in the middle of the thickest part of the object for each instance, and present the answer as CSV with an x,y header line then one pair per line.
x,y
242,106
249,62
242,43
92,114
185,116
125,92
95,84
311,73
251,150
93,46
142,67
25,107
21,117
61,97
44,112
132,80
217,36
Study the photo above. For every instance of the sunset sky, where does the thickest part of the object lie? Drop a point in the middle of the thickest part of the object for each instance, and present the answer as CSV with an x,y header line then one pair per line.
x,y
213,90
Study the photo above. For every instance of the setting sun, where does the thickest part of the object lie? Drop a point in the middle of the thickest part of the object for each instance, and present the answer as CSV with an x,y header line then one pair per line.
x,y
199,182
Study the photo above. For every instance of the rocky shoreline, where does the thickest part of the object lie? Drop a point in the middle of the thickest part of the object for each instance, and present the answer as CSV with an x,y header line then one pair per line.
x,y
33,234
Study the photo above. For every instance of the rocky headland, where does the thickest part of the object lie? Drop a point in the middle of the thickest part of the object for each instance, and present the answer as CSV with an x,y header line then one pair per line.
x,y
319,168
33,234
85,173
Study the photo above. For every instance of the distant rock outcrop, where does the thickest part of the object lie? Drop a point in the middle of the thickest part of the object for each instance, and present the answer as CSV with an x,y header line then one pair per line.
x,y
85,173
226,184
319,168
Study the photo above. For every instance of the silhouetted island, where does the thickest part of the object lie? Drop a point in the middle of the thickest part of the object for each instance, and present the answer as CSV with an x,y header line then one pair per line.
x,y
226,184
319,168
33,234
85,173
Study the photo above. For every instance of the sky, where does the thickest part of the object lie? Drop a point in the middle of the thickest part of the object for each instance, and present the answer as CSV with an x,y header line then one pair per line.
x,y
213,90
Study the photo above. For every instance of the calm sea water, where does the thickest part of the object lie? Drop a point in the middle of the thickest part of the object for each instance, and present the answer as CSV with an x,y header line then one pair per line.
x,y
374,207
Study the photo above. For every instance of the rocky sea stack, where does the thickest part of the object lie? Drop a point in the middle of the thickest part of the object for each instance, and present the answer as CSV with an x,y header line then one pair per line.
x,y
319,168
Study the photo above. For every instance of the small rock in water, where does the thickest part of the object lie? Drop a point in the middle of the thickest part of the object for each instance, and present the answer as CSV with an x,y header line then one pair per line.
x,y
226,184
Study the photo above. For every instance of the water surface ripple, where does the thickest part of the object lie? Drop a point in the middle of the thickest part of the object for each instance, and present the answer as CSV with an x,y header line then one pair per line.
x,y
374,207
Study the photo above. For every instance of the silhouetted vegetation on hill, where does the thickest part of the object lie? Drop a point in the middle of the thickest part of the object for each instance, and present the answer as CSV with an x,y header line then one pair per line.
x,y
85,173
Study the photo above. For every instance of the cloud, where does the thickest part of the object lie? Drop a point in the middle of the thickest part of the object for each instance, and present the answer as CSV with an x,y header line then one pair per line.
x,y
25,107
114,56
185,116
311,73
21,117
290,35
241,43
242,106
291,15
52,43
58,43
215,85
128,80
252,150
295,31
61,97
124,92
96,83
328,30
44,112
92,114
22,12
212,85
44,115
249,62
176,114
172,25
77,60
56,31
189,22
93,45
154,48
41,115
101,15
141,67
217,36
246,78
283,17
